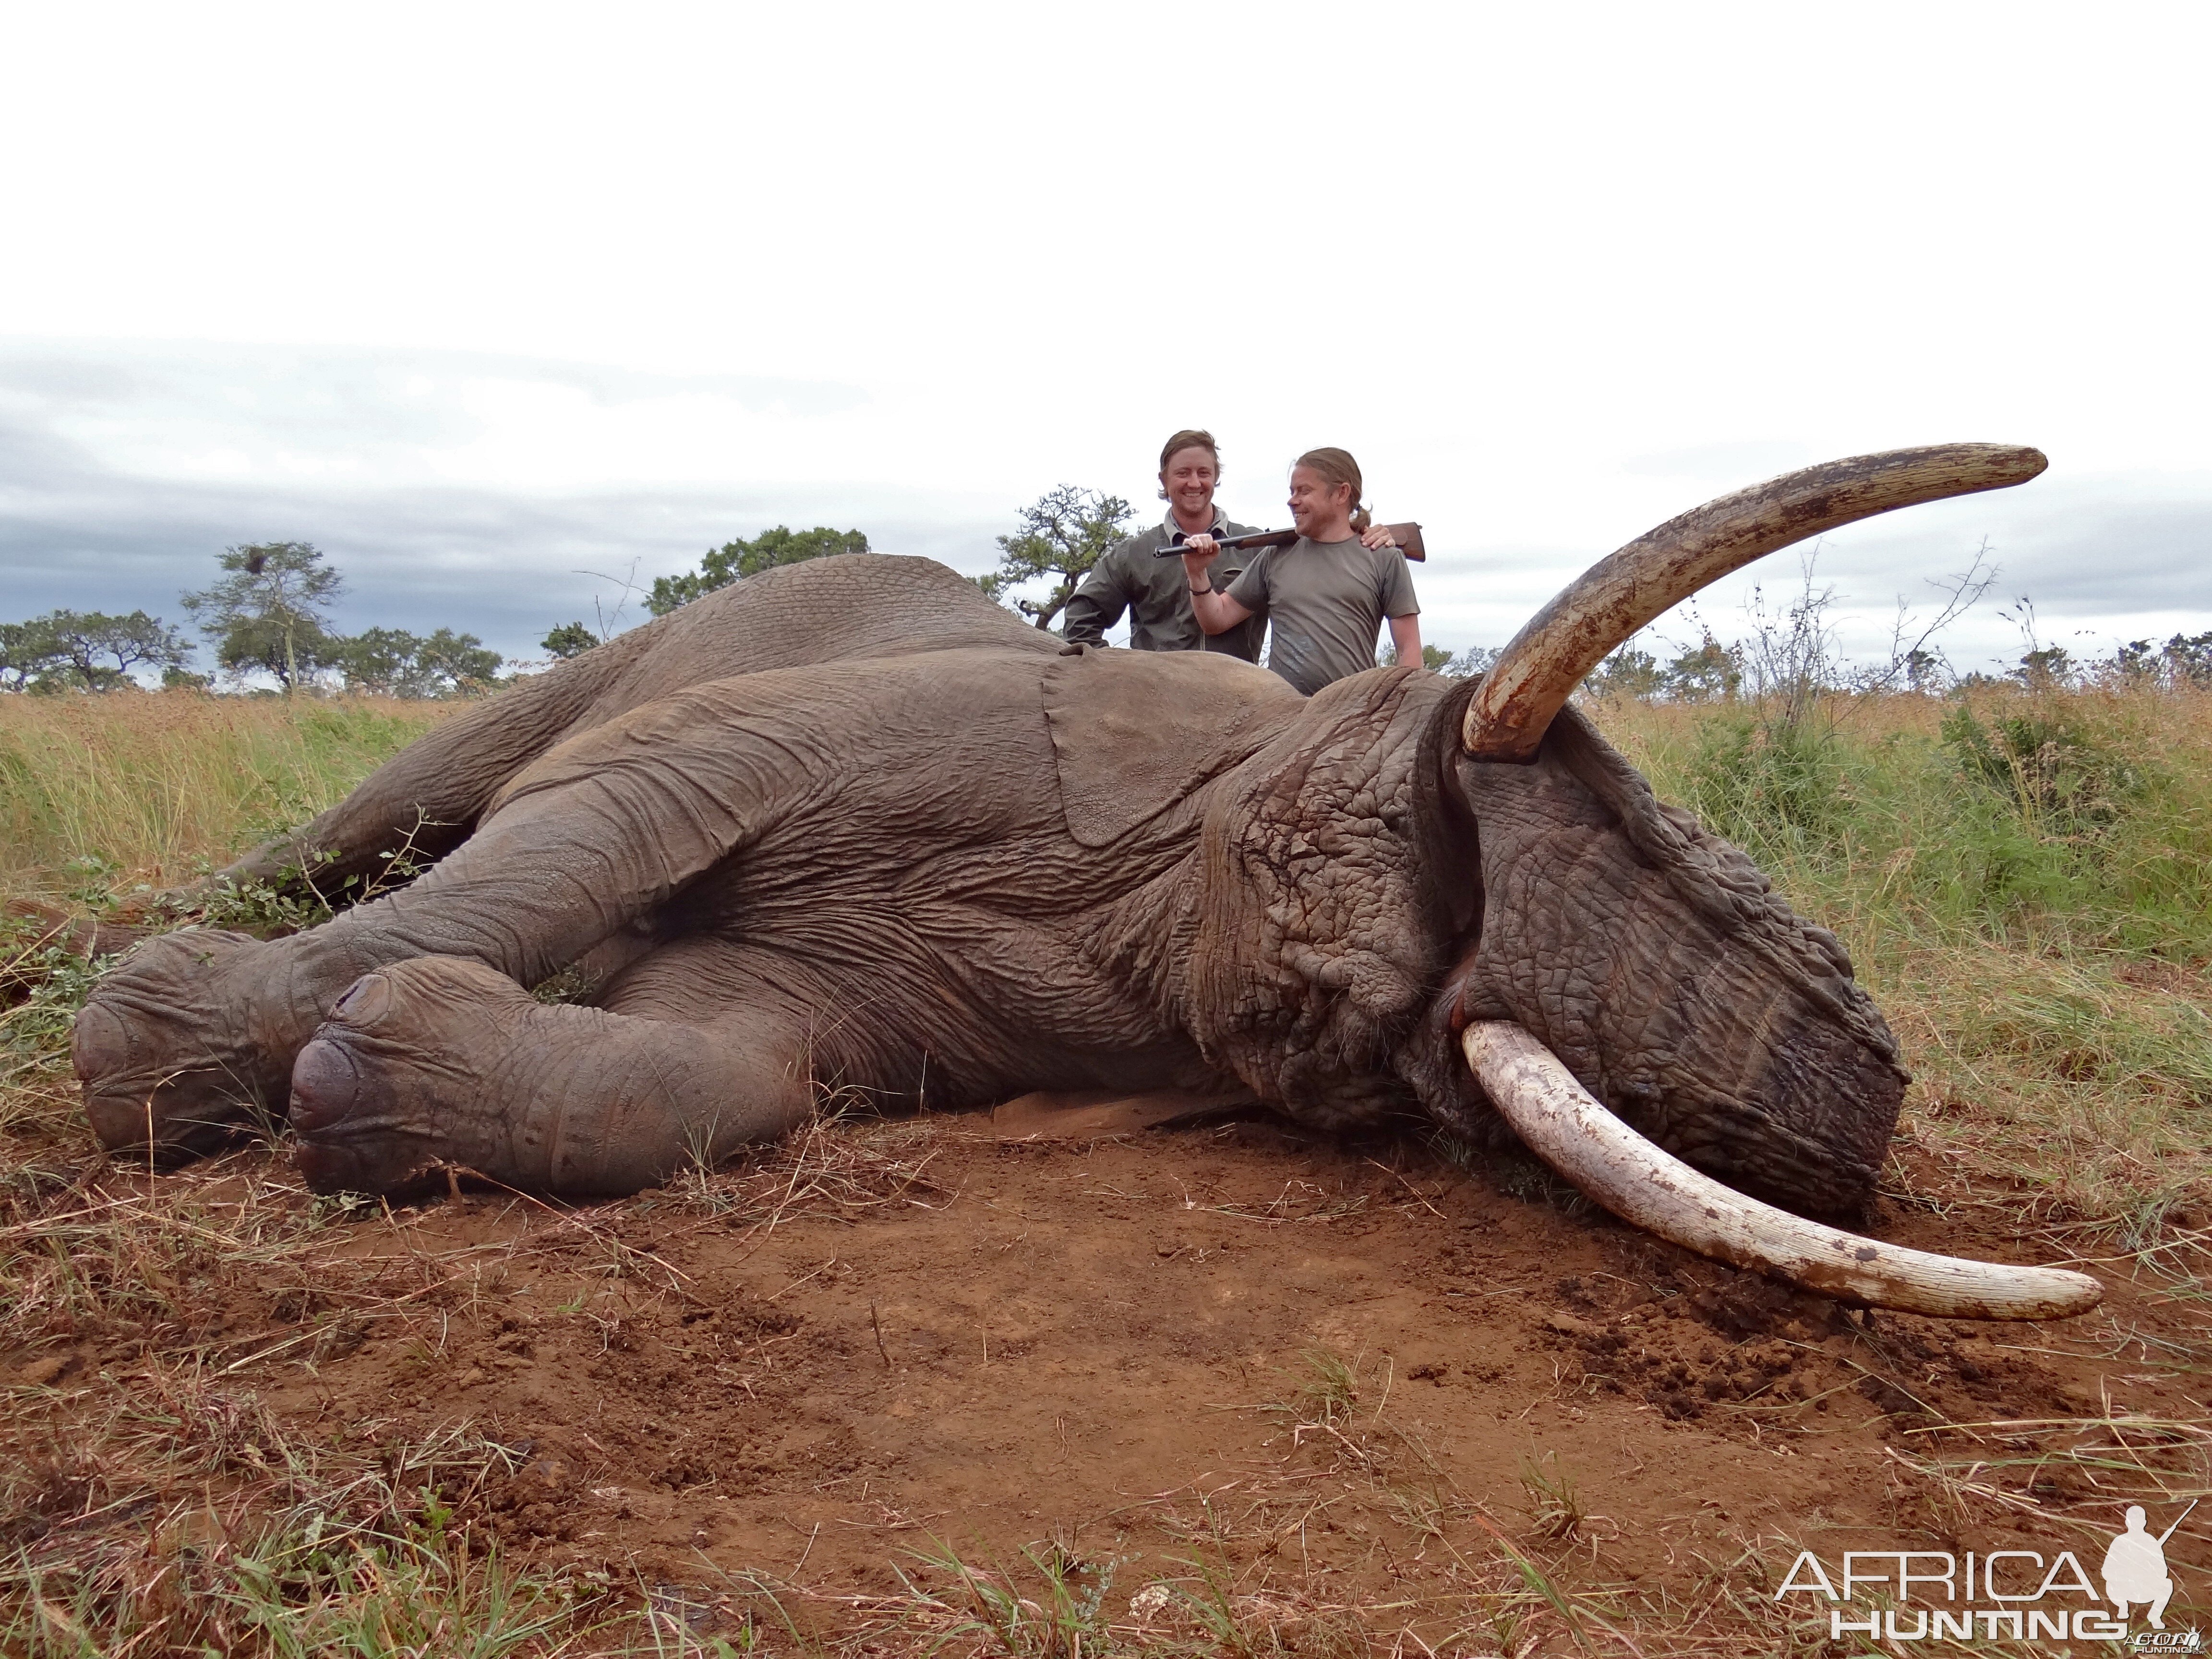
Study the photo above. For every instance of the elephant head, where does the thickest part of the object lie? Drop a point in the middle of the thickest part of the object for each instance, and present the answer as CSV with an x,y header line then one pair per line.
x,y
1590,943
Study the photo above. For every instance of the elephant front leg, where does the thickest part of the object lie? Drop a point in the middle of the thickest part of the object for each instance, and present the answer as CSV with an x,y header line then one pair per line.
x,y
439,1062
194,1035
198,1031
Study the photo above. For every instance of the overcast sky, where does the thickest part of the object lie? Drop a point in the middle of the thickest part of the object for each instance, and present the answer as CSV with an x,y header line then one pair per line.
x,y
477,298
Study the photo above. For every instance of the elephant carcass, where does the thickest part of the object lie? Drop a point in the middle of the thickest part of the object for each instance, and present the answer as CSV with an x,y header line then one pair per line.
x,y
846,825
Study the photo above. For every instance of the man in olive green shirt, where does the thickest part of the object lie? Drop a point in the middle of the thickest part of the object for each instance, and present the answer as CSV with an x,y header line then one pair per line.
x,y
1133,577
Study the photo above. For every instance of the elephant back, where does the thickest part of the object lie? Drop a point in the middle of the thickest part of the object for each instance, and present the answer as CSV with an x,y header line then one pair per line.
x,y
831,610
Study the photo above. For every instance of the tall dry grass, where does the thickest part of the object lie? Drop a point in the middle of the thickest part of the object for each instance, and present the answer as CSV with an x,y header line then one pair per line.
x,y
2024,881
104,793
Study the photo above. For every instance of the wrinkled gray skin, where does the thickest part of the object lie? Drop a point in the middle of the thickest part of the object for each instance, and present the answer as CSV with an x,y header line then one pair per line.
x,y
848,823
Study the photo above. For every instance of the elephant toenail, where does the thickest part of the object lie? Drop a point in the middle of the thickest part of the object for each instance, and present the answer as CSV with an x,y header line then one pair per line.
x,y
366,1001
325,1087
99,1044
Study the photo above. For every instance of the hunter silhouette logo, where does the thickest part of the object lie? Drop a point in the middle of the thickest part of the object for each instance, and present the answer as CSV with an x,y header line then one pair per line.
x,y
1934,1595
2135,1568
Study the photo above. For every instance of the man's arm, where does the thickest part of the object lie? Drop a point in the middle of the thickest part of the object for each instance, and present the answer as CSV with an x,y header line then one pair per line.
x,y
1098,603
1403,609
1406,634
1217,613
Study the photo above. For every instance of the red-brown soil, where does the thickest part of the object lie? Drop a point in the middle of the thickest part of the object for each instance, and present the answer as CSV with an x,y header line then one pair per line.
x,y
894,1333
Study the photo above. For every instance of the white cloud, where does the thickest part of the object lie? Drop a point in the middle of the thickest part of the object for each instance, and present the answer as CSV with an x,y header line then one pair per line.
x,y
624,284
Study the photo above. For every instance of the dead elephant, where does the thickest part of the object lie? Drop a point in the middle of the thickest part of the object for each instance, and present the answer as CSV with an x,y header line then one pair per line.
x,y
847,823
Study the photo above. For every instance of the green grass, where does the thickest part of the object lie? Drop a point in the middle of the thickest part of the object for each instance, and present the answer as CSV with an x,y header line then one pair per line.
x,y
99,795
2081,821
2024,882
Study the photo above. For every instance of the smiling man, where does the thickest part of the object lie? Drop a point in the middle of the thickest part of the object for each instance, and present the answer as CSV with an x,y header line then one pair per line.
x,y
1331,590
1132,577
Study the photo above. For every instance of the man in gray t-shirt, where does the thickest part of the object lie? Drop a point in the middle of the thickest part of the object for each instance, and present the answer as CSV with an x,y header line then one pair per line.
x,y
1326,593
1328,600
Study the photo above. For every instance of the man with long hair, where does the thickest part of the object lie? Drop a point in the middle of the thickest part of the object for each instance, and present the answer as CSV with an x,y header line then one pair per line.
x,y
1327,593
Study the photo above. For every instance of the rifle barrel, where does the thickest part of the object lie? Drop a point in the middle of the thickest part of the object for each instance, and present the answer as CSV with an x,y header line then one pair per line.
x,y
2170,1531
1233,543
1409,535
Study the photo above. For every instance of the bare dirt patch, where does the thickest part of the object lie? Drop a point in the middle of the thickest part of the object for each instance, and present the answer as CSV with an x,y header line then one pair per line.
x,y
1315,1393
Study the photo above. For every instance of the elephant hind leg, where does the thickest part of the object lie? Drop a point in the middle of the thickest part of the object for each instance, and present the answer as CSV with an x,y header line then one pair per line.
x,y
442,1062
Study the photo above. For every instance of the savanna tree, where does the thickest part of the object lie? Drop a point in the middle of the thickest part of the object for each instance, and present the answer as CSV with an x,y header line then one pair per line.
x,y
1706,672
394,663
27,653
734,561
86,650
1440,659
569,639
96,651
2184,659
269,612
1062,534
1627,672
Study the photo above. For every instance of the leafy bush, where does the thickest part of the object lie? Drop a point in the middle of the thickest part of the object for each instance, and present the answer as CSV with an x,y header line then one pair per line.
x,y
44,985
2045,760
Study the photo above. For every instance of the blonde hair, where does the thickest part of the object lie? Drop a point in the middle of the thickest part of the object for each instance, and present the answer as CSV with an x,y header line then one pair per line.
x,y
1189,438
1334,467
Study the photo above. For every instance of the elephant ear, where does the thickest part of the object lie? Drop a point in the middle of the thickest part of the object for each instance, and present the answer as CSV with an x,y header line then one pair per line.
x,y
1135,732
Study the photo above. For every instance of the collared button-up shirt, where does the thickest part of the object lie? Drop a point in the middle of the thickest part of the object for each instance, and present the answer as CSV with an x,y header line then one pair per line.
x,y
1155,592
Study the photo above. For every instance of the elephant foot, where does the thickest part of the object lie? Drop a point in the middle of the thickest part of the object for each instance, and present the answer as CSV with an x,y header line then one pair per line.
x,y
173,1056
440,1064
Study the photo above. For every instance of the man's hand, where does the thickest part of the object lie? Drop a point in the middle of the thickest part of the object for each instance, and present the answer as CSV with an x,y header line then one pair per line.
x,y
1378,535
1199,553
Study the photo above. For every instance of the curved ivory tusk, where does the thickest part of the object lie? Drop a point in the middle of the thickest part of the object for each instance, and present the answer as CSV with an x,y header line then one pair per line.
x,y
1546,659
1640,1183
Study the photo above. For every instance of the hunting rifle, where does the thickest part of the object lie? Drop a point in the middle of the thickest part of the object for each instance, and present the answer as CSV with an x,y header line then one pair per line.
x,y
1409,535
